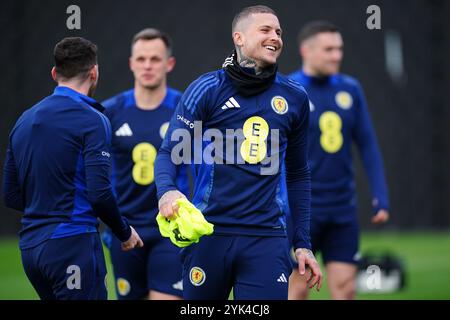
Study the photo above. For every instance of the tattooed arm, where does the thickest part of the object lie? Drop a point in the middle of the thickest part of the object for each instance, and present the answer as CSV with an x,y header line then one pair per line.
x,y
306,257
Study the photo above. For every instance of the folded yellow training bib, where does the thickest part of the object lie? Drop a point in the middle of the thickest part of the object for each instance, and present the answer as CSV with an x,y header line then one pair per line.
x,y
187,227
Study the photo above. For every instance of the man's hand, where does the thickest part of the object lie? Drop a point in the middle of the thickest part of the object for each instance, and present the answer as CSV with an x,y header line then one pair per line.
x,y
133,241
167,204
306,258
382,216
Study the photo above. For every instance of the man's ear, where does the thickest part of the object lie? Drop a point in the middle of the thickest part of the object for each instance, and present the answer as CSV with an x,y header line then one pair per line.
x,y
304,50
171,62
93,73
238,38
307,47
130,63
53,73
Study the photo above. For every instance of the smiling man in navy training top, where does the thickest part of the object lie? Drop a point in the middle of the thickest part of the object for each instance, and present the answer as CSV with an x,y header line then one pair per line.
x,y
338,116
264,117
57,171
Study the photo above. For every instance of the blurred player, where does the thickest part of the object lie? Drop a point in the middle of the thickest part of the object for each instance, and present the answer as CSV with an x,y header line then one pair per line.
x,y
139,119
338,116
247,250
57,171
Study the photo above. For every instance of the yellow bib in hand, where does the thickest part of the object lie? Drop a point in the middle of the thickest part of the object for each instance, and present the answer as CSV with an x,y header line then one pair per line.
x,y
187,227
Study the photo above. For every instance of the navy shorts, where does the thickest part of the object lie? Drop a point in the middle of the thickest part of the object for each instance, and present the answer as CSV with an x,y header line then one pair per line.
x,y
335,241
156,266
255,267
69,268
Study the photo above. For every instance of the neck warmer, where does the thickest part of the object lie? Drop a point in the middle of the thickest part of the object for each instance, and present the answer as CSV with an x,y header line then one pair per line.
x,y
245,80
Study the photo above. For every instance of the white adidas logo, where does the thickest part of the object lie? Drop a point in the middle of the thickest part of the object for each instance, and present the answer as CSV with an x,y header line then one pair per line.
x,y
124,131
282,278
231,103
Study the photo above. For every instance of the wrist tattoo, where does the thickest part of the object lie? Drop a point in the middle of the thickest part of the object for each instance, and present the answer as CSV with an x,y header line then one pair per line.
x,y
308,253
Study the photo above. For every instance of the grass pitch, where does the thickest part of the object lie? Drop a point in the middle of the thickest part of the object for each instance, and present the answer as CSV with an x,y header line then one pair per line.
x,y
426,257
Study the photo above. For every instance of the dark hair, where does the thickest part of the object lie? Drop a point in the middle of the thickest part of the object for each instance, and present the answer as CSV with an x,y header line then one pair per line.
x,y
315,27
74,57
244,13
150,34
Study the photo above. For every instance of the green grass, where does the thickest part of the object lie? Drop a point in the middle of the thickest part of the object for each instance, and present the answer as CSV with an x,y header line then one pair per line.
x,y
426,257
14,284
427,262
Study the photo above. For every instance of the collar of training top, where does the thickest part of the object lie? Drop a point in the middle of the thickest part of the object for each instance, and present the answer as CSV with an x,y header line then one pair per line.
x,y
247,83
68,92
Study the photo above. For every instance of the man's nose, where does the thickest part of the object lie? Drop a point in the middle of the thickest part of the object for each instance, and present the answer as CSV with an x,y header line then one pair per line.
x,y
147,64
274,36
336,55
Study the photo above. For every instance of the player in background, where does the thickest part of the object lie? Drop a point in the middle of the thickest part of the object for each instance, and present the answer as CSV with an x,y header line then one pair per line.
x,y
139,119
338,117
57,171
269,115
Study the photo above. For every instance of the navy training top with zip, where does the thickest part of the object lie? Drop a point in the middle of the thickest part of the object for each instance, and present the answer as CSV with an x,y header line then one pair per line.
x,y
57,170
243,197
137,135
339,116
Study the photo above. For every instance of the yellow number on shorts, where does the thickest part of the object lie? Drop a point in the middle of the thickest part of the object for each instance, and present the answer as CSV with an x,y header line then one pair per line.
x,y
144,156
256,131
330,125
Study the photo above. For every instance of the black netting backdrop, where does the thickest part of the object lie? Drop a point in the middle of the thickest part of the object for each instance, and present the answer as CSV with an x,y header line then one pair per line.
x,y
410,116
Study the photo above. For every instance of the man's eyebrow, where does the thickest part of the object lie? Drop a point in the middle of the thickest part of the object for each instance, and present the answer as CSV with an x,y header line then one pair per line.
x,y
270,27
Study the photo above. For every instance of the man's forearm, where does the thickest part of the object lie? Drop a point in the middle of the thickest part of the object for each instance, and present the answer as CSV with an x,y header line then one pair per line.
x,y
299,194
105,206
165,173
12,195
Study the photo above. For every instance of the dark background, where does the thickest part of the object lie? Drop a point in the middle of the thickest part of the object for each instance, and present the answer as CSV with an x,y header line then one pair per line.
x,y
410,115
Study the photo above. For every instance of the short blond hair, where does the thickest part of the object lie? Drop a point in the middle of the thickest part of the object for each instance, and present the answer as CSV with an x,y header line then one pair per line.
x,y
152,33
246,12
